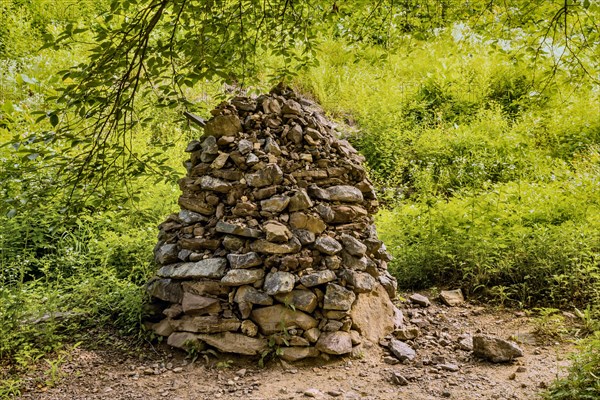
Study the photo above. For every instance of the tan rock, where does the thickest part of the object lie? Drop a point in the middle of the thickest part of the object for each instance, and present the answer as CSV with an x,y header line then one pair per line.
x,y
452,297
335,343
312,335
214,288
264,246
173,311
277,232
239,277
300,201
223,125
220,161
275,204
311,223
163,328
303,300
185,341
275,318
345,214
249,328
373,314
228,342
199,305
252,295
199,244
205,324
297,353
196,205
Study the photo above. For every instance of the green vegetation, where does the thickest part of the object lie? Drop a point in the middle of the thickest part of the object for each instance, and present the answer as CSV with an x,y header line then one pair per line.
x,y
481,134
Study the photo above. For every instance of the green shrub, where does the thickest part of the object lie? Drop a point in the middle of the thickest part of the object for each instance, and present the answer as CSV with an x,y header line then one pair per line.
x,y
524,244
583,380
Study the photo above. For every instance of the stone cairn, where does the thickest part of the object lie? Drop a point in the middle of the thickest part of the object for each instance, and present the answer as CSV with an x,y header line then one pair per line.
x,y
274,247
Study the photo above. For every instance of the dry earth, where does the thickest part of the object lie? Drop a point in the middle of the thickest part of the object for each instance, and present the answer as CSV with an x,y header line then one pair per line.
x,y
161,373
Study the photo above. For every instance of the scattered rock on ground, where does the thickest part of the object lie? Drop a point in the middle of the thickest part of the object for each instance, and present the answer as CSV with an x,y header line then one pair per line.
x,y
452,297
495,349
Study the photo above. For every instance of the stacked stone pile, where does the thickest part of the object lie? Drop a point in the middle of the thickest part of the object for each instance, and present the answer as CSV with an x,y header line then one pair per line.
x,y
274,244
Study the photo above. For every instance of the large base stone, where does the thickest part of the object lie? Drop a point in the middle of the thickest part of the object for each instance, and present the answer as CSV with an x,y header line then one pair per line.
x,y
373,314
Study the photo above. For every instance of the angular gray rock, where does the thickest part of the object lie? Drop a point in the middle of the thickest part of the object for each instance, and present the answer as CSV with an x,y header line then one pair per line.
x,y
214,184
328,245
270,175
334,343
165,289
189,217
199,305
362,282
166,254
239,230
401,350
355,263
419,299
318,278
239,277
305,237
278,282
209,145
245,146
338,298
495,349
207,268
246,260
251,295
345,193
352,245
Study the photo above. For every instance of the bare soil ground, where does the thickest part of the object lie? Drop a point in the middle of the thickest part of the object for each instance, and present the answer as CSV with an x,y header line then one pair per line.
x,y
162,373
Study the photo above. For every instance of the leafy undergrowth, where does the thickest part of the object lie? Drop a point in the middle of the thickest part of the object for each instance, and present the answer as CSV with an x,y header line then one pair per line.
x,y
583,380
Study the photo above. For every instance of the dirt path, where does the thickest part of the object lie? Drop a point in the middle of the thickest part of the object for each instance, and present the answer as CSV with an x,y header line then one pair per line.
x,y
165,374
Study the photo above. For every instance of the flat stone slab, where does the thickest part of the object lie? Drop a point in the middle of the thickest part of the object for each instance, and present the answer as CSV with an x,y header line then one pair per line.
x,y
237,343
239,230
264,246
245,260
213,268
275,318
318,278
205,324
239,277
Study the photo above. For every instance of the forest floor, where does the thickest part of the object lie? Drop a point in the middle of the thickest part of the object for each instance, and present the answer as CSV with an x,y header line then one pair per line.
x,y
440,370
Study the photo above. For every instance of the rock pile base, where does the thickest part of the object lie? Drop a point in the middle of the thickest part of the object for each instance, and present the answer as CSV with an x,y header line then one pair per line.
x,y
274,245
